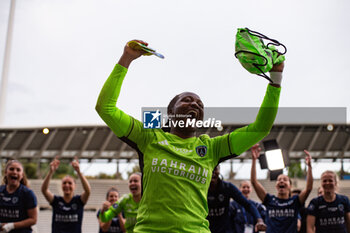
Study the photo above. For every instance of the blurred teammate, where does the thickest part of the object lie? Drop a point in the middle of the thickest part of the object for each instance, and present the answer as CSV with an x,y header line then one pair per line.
x,y
18,203
116,224
177,166
219,195
129,205
67,210
282,210
241,218
329,212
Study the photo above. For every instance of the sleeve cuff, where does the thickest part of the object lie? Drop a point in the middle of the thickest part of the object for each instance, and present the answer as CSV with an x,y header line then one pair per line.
x,y
276,77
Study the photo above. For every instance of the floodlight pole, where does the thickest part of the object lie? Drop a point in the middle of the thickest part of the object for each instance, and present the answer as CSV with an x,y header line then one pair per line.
x,y
117,169
341,168
231,169
6,62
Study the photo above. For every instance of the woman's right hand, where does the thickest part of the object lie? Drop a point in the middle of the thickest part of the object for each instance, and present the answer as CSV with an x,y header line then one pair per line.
x,y
308,158
133,53
105,206
130,54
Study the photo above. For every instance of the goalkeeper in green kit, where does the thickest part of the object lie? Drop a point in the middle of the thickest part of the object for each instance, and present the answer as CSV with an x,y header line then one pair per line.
x,y
177,166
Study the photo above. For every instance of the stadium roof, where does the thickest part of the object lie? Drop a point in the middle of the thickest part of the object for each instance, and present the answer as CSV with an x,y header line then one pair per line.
x,y
99,142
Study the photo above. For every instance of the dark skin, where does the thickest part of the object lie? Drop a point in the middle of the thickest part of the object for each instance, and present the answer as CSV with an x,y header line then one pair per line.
x,y
188,103
214,178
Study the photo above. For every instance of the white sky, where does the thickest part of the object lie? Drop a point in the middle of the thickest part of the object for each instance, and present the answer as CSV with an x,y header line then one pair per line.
x,y
63,51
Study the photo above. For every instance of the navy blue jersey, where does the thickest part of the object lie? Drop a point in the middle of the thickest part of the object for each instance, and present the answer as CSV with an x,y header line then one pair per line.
x,y
14,206
240,216
115,226
67,217
330,216
302,218
218,205
282,214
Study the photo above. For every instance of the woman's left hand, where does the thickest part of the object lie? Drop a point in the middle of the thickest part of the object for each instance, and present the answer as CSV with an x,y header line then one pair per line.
x,y
255,151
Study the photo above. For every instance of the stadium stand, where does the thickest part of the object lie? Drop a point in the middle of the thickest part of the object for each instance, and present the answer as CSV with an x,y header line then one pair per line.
x,y
99,142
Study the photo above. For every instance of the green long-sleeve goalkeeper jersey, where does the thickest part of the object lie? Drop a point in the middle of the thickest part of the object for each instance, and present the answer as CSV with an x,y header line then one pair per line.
x,y
177,171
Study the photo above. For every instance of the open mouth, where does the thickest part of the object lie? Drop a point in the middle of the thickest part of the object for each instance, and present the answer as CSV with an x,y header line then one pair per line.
x,y
192,113
327,187
134,188
66,189
281,186
14,178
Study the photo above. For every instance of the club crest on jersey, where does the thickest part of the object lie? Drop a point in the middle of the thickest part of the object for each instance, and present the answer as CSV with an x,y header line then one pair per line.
x,y
221,197
311,207
201,150
14,200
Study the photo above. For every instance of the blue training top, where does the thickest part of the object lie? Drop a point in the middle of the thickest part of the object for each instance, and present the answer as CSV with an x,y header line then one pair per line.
x,y
218,205
67,217
282,214
14,206
330,216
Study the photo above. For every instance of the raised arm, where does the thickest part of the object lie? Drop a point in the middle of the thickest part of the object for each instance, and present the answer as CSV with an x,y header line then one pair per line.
x,y
309,179
116,119
244,138
259,189
45,186
86,186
